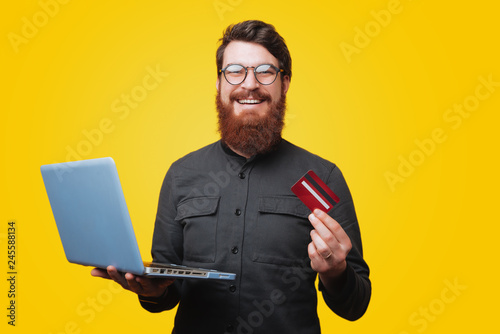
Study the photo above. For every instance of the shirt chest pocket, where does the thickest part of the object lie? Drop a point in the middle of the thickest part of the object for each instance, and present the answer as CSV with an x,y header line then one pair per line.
x,y
198,216
282,232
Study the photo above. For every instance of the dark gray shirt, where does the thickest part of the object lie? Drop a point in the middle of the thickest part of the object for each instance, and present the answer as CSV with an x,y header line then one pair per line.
x,y
221,211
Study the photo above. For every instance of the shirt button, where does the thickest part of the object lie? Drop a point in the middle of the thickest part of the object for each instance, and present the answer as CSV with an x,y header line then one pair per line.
x,y
237,212
241,175
232,288
234,250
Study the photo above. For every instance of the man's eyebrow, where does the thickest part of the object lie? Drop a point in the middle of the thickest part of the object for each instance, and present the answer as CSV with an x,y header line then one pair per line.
x,y
229,64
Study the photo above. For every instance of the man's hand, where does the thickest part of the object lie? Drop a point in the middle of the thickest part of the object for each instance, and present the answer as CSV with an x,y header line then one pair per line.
x,y
141,285
328,250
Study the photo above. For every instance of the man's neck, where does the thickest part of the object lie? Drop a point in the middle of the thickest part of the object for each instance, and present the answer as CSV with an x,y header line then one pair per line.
x,y
238,152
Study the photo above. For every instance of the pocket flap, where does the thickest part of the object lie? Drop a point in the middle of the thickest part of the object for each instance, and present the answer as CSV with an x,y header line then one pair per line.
x,y
283,205
198,206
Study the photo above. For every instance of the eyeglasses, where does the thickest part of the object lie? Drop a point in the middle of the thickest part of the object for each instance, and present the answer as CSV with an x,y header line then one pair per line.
x,y
265,74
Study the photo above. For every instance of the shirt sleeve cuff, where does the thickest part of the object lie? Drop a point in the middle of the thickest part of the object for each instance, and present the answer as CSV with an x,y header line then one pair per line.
x,y
153,300
346,291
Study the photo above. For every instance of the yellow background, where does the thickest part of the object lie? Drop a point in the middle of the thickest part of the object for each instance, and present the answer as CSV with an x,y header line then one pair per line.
x,y
364,111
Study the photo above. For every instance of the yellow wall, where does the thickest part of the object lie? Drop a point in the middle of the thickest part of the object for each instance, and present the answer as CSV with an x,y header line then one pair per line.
x,y
403,95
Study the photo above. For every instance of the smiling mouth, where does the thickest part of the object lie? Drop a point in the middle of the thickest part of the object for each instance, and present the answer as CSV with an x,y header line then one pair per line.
x,y
250,101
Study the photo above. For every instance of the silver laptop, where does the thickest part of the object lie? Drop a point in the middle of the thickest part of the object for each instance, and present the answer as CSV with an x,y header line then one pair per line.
x,y
94,223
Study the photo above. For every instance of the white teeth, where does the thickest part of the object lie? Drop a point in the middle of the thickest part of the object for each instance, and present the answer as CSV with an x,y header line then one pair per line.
x,y
249,101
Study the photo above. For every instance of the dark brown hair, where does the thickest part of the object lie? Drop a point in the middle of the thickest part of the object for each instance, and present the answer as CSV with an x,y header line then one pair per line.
x,y
257,32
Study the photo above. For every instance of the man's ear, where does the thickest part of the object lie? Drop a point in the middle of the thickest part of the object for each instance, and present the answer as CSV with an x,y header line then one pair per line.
x,y
217,84
286,83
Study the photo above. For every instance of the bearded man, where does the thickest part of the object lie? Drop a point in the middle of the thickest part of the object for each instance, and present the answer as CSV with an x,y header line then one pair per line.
x,y
228,206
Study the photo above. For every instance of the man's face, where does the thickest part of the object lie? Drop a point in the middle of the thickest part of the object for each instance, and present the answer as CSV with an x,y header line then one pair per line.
x,y
242,96
250,114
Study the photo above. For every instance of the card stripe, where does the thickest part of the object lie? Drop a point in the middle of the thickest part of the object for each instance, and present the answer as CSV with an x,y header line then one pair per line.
x,y
314,193
311,190
327,195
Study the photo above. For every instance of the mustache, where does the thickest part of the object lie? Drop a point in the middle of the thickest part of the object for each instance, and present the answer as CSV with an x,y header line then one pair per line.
x,y
257,95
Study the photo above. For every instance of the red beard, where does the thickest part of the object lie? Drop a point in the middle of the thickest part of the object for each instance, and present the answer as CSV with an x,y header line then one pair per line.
x,y
251,135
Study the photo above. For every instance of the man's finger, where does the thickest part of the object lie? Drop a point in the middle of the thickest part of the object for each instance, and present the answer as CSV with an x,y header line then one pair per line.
x,y
325,225
134,286
322,248
318,263
152,283
321,227
117,277
98,272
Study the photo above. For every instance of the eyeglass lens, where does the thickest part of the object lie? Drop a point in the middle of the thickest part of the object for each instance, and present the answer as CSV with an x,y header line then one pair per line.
x,y
265,74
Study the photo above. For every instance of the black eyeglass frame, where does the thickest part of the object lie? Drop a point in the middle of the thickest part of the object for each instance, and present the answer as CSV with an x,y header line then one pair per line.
x,y
278,71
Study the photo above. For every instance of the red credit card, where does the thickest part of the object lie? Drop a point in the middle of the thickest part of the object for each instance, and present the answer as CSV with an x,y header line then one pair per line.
x,y
314,193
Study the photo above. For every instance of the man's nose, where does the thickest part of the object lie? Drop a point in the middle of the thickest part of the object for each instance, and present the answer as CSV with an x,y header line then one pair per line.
x,y
250,81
